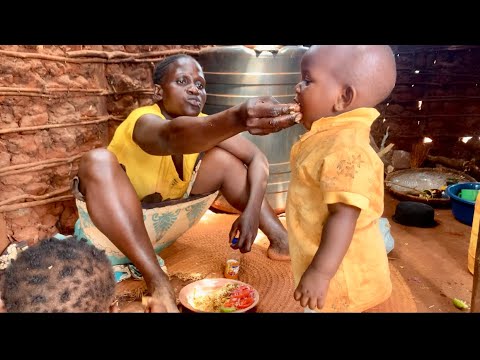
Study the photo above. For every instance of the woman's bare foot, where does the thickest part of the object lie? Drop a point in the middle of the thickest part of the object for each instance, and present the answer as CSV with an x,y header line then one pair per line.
x,y
274,229
133,307
278,252
162,300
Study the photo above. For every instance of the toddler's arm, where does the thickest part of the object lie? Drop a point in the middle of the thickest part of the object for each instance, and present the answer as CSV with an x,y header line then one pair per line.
x,y
336,238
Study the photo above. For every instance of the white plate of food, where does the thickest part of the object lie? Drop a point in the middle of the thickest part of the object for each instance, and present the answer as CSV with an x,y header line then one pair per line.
x,y
219,296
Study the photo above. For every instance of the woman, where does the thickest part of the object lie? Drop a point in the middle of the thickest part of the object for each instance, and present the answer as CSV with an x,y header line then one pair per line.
x,y
156,154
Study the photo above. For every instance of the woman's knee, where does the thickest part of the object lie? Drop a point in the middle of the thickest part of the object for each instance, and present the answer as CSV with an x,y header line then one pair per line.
x,y
95,163
220,158
217,165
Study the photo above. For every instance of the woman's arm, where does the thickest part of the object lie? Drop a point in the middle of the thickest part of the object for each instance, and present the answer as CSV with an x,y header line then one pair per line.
x,y
186,134
257,168
246,225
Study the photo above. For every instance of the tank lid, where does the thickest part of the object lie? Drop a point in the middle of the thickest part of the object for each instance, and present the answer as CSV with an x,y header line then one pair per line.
x,y
261,48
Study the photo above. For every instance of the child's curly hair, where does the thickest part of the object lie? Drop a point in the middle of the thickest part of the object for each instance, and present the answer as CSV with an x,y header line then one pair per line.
x,y
59,276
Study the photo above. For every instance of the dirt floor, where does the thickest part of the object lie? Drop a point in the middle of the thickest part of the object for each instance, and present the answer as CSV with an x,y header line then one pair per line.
x,y
432,261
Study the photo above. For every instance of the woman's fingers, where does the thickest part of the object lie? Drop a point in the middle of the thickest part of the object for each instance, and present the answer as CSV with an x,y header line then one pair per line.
x,y
263,126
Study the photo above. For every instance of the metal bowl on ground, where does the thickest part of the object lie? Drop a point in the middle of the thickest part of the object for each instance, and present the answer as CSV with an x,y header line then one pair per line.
x,y
424,184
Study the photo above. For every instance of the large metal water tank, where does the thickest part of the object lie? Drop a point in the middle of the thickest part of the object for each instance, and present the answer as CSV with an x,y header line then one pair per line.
x,y
236,73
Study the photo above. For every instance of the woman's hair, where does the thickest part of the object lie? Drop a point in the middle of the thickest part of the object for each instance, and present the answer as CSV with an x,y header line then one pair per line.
x,y
59,276
162,66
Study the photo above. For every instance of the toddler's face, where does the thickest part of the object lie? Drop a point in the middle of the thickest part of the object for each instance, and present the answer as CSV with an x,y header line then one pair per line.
x,y
184,91
318,90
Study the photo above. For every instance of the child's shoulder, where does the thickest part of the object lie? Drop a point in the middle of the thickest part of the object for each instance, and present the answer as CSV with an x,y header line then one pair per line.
x,y
352,148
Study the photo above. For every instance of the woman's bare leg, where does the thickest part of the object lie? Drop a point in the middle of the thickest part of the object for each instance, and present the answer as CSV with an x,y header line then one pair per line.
x,y
221,170
115,210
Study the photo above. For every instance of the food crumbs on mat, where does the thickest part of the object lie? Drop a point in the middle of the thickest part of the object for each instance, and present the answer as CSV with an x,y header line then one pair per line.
x,y
189,276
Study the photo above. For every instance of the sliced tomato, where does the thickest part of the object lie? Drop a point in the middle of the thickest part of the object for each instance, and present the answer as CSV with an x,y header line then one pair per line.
x,y
244,303
244,287
229,303
241,292
240,298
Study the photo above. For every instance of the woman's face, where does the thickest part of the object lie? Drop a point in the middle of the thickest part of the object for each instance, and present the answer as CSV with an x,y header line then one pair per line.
x,y
183,89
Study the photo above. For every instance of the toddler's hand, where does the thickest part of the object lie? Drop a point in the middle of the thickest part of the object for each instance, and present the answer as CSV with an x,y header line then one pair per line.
x,y
312,289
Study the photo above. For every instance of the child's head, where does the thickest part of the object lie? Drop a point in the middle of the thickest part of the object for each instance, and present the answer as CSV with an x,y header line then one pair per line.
x,y
179,86
340,78
59,276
